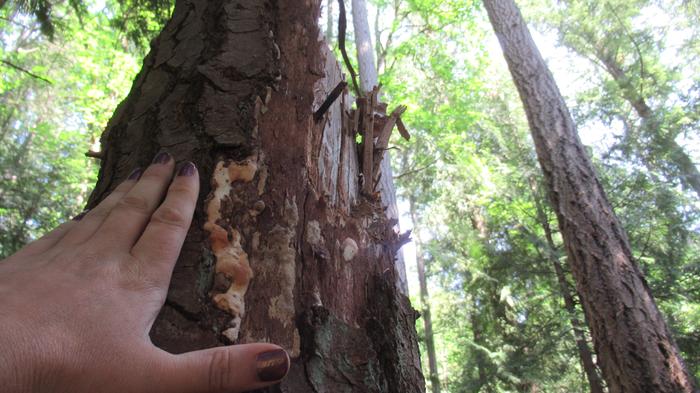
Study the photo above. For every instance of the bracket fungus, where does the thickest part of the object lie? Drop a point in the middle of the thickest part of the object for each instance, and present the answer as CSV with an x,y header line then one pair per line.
x,y
231,259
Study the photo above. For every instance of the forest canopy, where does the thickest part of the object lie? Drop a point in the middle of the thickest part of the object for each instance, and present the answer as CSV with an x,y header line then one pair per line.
x,y
505,314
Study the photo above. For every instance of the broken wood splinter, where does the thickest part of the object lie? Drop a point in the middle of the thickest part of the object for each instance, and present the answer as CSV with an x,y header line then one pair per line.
x,y
95,154
332,96
383,139
402,129
385,134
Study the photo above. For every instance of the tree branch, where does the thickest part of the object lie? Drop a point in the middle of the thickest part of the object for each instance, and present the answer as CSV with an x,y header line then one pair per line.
x,y
342,26
636,47
33,75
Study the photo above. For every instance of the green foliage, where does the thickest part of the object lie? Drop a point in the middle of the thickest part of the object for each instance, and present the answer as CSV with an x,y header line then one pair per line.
x,y
469,171
642,79
644,87
55,99
139,20
498,318
497,307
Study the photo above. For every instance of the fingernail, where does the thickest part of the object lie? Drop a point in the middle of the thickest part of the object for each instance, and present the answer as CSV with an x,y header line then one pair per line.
x,y
135,174
80,215
162,158
187,169
272,365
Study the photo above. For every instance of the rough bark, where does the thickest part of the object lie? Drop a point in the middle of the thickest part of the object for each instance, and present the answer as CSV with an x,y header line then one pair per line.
x,y
232,85
636,351
434,375
368,80
589,366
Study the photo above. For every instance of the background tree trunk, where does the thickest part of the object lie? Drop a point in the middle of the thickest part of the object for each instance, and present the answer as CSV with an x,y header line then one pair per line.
x,y
369,79
434,375
636,351
685,168
330,22
232,85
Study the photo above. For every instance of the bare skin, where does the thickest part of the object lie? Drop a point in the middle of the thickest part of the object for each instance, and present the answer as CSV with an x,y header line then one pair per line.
x,y
76,305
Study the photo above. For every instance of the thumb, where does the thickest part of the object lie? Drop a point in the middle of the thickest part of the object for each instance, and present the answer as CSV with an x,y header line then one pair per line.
x,y
230,369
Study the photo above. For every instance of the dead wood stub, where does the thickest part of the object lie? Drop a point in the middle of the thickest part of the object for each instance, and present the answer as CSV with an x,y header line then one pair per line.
x,y
382,142
402,129
334,94
95,154
370,116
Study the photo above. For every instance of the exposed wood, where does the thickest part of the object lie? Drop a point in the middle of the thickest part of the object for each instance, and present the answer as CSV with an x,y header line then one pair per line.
x,y
636,351
402,129
368,79
385,133
356,120
382,142
94,154
220,95
338,164
368,143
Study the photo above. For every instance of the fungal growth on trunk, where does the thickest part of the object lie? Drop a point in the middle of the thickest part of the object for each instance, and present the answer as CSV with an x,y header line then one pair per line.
x,y
232,269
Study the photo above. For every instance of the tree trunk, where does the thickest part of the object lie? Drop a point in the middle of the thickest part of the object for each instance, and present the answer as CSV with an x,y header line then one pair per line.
x,y
232,85
636,351
589,367
369,79
481,365
686,169
363,44
425,303
330,22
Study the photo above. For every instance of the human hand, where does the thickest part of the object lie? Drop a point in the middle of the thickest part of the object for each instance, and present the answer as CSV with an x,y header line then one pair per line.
x,y
76,305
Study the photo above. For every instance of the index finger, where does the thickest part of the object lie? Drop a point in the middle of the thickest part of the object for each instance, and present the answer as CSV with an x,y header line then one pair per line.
x,y
160,244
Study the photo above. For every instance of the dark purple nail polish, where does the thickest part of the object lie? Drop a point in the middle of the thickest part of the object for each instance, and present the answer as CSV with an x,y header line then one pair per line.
x,y
135,174
80,215
187,169
272,365
162,158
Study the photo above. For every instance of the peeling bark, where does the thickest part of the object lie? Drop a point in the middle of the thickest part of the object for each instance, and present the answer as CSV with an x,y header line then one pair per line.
x,y
232,85
635,348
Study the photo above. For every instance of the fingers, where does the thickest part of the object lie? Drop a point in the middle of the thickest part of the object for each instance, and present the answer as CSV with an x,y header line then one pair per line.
x,y
160,244
89,223
127,218
235,368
